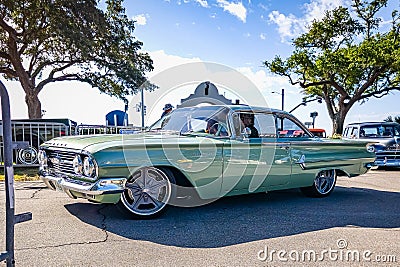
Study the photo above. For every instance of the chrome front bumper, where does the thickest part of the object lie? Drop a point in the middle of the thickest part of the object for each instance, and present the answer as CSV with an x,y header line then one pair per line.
x,y
387,162
106,190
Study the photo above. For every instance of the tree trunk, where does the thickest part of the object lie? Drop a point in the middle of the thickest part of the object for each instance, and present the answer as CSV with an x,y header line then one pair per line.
x,y
338,121
34,106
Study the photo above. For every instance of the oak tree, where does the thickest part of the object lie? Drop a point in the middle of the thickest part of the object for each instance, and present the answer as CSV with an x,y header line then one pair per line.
x,y
46,41
344,58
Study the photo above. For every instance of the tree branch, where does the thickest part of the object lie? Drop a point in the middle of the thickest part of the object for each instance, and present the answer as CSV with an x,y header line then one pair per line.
x,y
5,55
328,102
45,64
304,85
67,77
371,80
11,31
8,72
340,89
380,93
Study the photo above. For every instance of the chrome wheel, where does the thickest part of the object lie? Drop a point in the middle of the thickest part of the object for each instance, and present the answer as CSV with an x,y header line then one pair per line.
x,y
325,181
323,185
146,192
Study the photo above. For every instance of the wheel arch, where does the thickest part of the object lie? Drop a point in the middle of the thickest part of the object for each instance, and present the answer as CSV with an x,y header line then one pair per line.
x,y
180,178
341,172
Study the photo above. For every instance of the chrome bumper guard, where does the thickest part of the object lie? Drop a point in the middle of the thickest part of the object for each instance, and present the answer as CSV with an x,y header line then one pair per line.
x,y
100,187
387,163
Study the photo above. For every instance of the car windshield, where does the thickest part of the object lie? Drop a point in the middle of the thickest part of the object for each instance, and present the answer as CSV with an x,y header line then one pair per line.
x,y
379,131
207,120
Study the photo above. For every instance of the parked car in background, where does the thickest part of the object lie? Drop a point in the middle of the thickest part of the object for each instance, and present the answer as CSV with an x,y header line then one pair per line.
x,y
199,154
385,135
318,132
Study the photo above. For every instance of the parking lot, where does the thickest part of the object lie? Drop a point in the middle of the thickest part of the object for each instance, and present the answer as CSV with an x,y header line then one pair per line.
x,y
359,224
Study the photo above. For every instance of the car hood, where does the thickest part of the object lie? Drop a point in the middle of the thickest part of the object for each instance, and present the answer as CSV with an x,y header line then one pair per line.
x,y
389,141
94,143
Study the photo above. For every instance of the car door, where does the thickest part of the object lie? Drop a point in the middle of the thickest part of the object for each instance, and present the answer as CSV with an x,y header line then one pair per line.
x,y
280,170
242,161
253,164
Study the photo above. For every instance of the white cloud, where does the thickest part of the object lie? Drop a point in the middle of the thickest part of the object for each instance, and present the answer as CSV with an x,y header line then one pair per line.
x,y
262,36
316,9
290,26
163,61
203,3
236,9
141,19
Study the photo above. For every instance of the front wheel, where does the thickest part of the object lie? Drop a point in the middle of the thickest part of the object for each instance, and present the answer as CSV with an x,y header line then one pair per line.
x,y
147,193
323,185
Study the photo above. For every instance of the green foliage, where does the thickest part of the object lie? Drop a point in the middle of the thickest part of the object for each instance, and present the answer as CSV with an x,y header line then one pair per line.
x,y
393,119
44,41
345,58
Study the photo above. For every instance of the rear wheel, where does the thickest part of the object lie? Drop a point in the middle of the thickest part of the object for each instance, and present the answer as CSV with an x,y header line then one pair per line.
x,y
323,185
147,193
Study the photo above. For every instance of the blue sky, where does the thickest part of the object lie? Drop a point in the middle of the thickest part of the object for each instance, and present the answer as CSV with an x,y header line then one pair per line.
x,y
239,34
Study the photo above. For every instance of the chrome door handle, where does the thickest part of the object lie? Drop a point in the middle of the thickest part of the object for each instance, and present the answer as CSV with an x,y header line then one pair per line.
x,y
286,147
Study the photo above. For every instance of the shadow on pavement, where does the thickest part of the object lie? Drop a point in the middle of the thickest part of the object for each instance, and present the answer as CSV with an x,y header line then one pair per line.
x,y
241,219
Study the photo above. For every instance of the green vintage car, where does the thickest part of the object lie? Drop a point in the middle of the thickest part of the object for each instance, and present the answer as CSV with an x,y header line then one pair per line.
x,y
196,155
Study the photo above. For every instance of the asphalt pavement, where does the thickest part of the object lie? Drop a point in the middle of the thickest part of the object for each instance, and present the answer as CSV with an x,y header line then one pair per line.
x,y
358,225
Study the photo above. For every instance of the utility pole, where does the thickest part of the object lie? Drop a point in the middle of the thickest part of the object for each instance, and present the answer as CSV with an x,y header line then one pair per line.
x,y
282,97
142,106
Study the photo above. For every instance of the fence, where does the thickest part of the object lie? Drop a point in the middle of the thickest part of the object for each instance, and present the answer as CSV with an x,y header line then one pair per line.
x,y
35,132
86,129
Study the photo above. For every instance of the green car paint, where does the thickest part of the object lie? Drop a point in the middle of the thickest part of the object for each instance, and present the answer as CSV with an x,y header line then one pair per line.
x,y
214,166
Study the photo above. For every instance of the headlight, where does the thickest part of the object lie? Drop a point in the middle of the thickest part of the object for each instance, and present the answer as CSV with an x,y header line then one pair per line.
x,y
77,164
88,167
370,148
42,158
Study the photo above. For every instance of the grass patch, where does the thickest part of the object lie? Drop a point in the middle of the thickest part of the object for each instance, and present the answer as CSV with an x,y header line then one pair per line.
x,y
22,174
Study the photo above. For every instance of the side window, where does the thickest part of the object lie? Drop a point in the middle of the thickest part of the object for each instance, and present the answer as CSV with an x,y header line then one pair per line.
x,y
354,132
265,123
345,132
289,128
255,123
396,131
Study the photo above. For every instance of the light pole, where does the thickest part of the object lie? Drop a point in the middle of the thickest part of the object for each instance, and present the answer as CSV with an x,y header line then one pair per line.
x,y
283,97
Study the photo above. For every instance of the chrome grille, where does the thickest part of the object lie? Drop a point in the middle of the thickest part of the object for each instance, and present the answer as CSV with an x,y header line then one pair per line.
x,y
61,161
394,148
388,154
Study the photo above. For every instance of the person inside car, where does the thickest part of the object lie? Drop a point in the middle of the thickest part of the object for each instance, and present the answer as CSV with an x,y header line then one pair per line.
x,y
248,121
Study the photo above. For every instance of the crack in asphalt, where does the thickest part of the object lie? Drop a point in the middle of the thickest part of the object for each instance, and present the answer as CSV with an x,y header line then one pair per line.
x,y
103,222
103,229
36,192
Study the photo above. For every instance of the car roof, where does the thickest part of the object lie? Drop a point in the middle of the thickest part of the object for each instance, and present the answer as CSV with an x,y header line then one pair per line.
x,y
372,123
241,107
